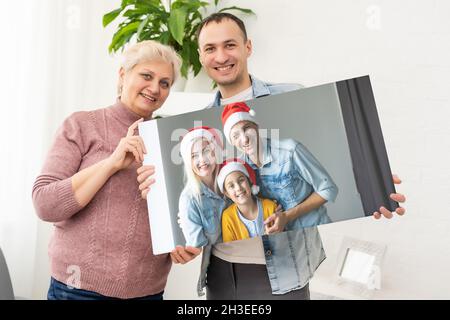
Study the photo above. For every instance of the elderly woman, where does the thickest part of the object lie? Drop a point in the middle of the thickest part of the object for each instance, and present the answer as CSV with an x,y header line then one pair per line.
x,y
101,246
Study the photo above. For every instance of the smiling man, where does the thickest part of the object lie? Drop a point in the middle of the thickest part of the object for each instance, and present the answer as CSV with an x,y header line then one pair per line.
x,y
224,50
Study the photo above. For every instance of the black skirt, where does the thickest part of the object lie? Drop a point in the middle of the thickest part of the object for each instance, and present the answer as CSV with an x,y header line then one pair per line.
x,y
242,281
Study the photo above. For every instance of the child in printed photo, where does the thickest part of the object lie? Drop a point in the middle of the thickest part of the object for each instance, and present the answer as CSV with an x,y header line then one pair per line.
x,y
245,217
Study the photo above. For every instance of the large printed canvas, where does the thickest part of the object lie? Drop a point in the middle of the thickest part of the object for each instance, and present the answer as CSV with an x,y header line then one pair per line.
x,y
268,165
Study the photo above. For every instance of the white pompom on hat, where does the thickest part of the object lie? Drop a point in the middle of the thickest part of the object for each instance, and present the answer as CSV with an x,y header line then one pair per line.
x,y
232,165
211,134
234,113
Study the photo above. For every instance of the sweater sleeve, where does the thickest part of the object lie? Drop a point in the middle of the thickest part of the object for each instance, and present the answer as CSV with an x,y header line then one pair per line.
x,y
53,196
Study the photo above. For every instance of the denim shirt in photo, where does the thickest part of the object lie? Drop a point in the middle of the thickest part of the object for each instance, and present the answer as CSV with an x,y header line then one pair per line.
x,y
291,256
200,220
289,174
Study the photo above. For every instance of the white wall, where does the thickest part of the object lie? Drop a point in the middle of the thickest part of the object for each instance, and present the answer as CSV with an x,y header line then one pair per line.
x,y
403,45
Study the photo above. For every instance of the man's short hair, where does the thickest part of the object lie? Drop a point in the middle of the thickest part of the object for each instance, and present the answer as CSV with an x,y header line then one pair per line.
x,y
217,18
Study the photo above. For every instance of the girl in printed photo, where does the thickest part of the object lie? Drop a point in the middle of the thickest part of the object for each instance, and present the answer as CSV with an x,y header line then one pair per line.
x,y
245,217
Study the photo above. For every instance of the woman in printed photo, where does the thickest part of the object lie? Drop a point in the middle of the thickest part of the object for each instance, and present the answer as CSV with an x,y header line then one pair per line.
x,y
200,203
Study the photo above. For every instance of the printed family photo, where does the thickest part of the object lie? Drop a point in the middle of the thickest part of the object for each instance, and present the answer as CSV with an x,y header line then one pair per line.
x,y
262,167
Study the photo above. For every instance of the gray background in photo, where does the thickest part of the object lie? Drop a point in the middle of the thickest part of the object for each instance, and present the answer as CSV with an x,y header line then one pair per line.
x,y
311,116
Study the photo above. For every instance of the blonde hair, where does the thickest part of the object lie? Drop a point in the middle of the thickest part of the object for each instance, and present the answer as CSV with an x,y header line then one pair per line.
x,y
192,181
150,50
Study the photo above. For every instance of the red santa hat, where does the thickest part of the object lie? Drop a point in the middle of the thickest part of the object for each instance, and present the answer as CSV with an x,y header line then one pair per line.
x,y
232,165
234,113
208,133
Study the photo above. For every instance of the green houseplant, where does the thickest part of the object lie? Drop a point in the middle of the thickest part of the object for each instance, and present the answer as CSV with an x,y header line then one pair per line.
x,y
175,26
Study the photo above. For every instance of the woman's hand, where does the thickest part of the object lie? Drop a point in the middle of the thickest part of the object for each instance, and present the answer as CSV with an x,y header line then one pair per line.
x,y
184,254
144,179
130,148
88,181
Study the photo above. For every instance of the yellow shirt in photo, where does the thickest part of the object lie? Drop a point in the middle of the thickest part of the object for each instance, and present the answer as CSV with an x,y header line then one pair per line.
x,y
233,228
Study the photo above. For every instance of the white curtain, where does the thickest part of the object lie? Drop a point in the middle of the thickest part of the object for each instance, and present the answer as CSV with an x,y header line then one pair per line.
x,y
54,62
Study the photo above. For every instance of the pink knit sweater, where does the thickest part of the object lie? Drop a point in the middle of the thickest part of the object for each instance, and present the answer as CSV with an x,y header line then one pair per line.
x,y
108,240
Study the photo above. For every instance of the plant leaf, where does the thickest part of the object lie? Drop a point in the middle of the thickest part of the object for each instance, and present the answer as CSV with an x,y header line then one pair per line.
x,y
177,22
247,11
195,59
164,38
142,26
123,35
110,16
127,2
154,3
150,6
185,54
119,42
132,27
135,12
